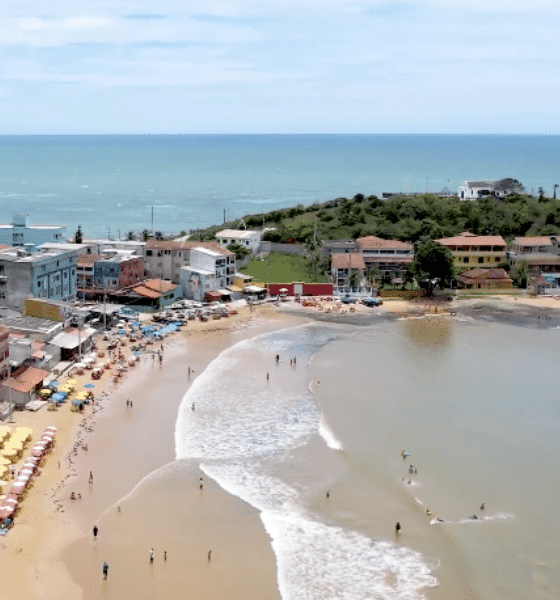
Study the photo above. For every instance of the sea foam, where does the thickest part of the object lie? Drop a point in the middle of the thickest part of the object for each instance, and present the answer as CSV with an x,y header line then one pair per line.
x,y
245,431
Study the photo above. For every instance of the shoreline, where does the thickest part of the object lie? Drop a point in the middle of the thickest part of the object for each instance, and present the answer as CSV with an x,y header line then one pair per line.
x,y
51,540
40,551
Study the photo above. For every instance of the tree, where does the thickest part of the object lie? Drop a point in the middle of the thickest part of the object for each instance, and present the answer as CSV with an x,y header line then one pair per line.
x,y
354,278
130,236
520,273
433,265
408,275
78,237
145,235
509,186
373,275
240,251
541,194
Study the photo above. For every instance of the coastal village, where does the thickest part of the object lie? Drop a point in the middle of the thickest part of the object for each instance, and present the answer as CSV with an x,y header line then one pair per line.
x,y
78,317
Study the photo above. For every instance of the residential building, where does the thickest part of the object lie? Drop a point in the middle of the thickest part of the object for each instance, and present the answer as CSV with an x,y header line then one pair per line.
x,y
475,251
209,271
330,247
42,274
347,272
108,272
153,293
242,237
20,234
542,253
390,257
20,388
473,190
4,352
484,279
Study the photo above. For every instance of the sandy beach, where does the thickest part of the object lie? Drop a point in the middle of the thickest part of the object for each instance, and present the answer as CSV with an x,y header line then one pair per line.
x,y
50,552
137,484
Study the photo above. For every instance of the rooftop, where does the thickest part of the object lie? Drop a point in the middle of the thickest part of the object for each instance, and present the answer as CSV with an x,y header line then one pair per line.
x,y
485,275
348,261
26,380
372,241
470,239
540,240
236,233
25,323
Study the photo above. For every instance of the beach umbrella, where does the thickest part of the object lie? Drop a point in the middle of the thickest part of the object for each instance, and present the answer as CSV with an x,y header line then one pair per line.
x,y
4,470
53,384
45,392
89,385
17,488
51,428
71,382
4,461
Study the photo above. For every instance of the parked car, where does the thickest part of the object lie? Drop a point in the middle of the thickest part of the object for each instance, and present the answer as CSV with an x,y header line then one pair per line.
x,y
348,300
371,302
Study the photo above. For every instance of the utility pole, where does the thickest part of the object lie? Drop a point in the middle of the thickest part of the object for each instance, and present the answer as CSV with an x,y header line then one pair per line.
x,y
152,220
104,307
10,399
224,216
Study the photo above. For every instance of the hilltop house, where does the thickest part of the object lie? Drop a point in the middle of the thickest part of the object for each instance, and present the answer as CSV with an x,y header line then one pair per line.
x,y
472,190
246,238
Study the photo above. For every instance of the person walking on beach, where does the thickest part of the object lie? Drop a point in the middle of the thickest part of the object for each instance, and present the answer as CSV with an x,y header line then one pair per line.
x,y
201,485
165,555
277,358
192,406
268,376
151,555
209,555
90,477
105,570
95,530
397,528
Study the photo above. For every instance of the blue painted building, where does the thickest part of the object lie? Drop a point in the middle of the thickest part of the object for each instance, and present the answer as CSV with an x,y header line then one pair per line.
x,y
44,274
20,234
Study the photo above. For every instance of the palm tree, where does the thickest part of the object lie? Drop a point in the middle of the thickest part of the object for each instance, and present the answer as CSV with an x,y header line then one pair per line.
x,y
554,187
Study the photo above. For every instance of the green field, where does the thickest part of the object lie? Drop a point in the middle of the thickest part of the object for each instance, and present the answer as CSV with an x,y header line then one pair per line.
x,y
282,268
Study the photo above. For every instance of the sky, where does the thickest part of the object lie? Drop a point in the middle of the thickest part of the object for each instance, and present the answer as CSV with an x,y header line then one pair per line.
x,y
279,66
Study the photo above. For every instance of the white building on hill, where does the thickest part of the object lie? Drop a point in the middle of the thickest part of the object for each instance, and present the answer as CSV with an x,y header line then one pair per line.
x,y
472,190
246,238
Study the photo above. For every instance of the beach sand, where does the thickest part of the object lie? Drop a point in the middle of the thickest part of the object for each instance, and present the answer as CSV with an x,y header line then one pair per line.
x,y
50,552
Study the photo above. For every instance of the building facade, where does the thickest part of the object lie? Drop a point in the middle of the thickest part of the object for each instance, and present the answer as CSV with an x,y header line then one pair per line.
x,y
99,273
473,190
209,270
541,253
20,234
4,352
43,274
475,251
390,257
242,237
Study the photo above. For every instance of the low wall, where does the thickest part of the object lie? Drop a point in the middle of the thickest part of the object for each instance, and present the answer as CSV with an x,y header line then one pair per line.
x,y
313,289
285,248
402,294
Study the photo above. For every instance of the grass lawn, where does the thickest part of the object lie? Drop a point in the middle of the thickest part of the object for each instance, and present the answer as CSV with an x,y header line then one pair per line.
x,y
282,268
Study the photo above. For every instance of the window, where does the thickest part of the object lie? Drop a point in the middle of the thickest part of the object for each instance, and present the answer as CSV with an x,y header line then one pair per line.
x,y
65,275
466,259
148,253
481,259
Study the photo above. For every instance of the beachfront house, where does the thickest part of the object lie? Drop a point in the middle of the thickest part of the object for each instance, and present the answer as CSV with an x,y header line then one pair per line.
x,y
20,234
164,259
242,237
43,274
347,273
541,253
475,251
484,279
473,190
330,247
109,272
388,257
21,386
209,274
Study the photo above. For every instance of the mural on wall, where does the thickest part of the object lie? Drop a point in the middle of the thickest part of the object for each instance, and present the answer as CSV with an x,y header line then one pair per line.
x,y
195,285
103,271
44,310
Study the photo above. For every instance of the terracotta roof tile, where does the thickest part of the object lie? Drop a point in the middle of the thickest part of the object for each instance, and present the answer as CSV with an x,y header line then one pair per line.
x,y
87,260
470,239
485,275
542,240
28,379
372,241
345,260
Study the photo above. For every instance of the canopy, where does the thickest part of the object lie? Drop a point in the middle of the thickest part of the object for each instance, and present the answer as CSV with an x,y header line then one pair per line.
x,y
45,392
89,385
72,382
24,430
59,396
283,290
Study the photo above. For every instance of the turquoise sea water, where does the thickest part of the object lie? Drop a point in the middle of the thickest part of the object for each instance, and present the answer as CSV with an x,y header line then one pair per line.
x,y
109,183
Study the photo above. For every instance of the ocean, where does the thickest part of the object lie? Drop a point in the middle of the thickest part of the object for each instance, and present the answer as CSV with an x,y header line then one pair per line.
x,y
473,405
109,184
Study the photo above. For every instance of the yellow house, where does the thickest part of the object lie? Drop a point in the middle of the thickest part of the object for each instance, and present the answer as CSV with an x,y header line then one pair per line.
x,y
472,251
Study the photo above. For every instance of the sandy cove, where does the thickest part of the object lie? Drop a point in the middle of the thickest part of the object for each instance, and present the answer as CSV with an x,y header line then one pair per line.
x,y
50,554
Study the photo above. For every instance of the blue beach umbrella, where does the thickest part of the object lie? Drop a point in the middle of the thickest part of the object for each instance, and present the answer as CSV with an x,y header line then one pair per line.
x,y
53,384
89,385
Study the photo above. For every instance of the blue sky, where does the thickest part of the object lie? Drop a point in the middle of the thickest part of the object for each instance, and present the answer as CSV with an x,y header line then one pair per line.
x,y
279,66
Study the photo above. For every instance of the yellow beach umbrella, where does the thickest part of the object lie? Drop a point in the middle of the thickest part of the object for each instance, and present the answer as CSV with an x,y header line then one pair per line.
x,y
9,452
4,461
45,392
4,472
24,432
71,382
